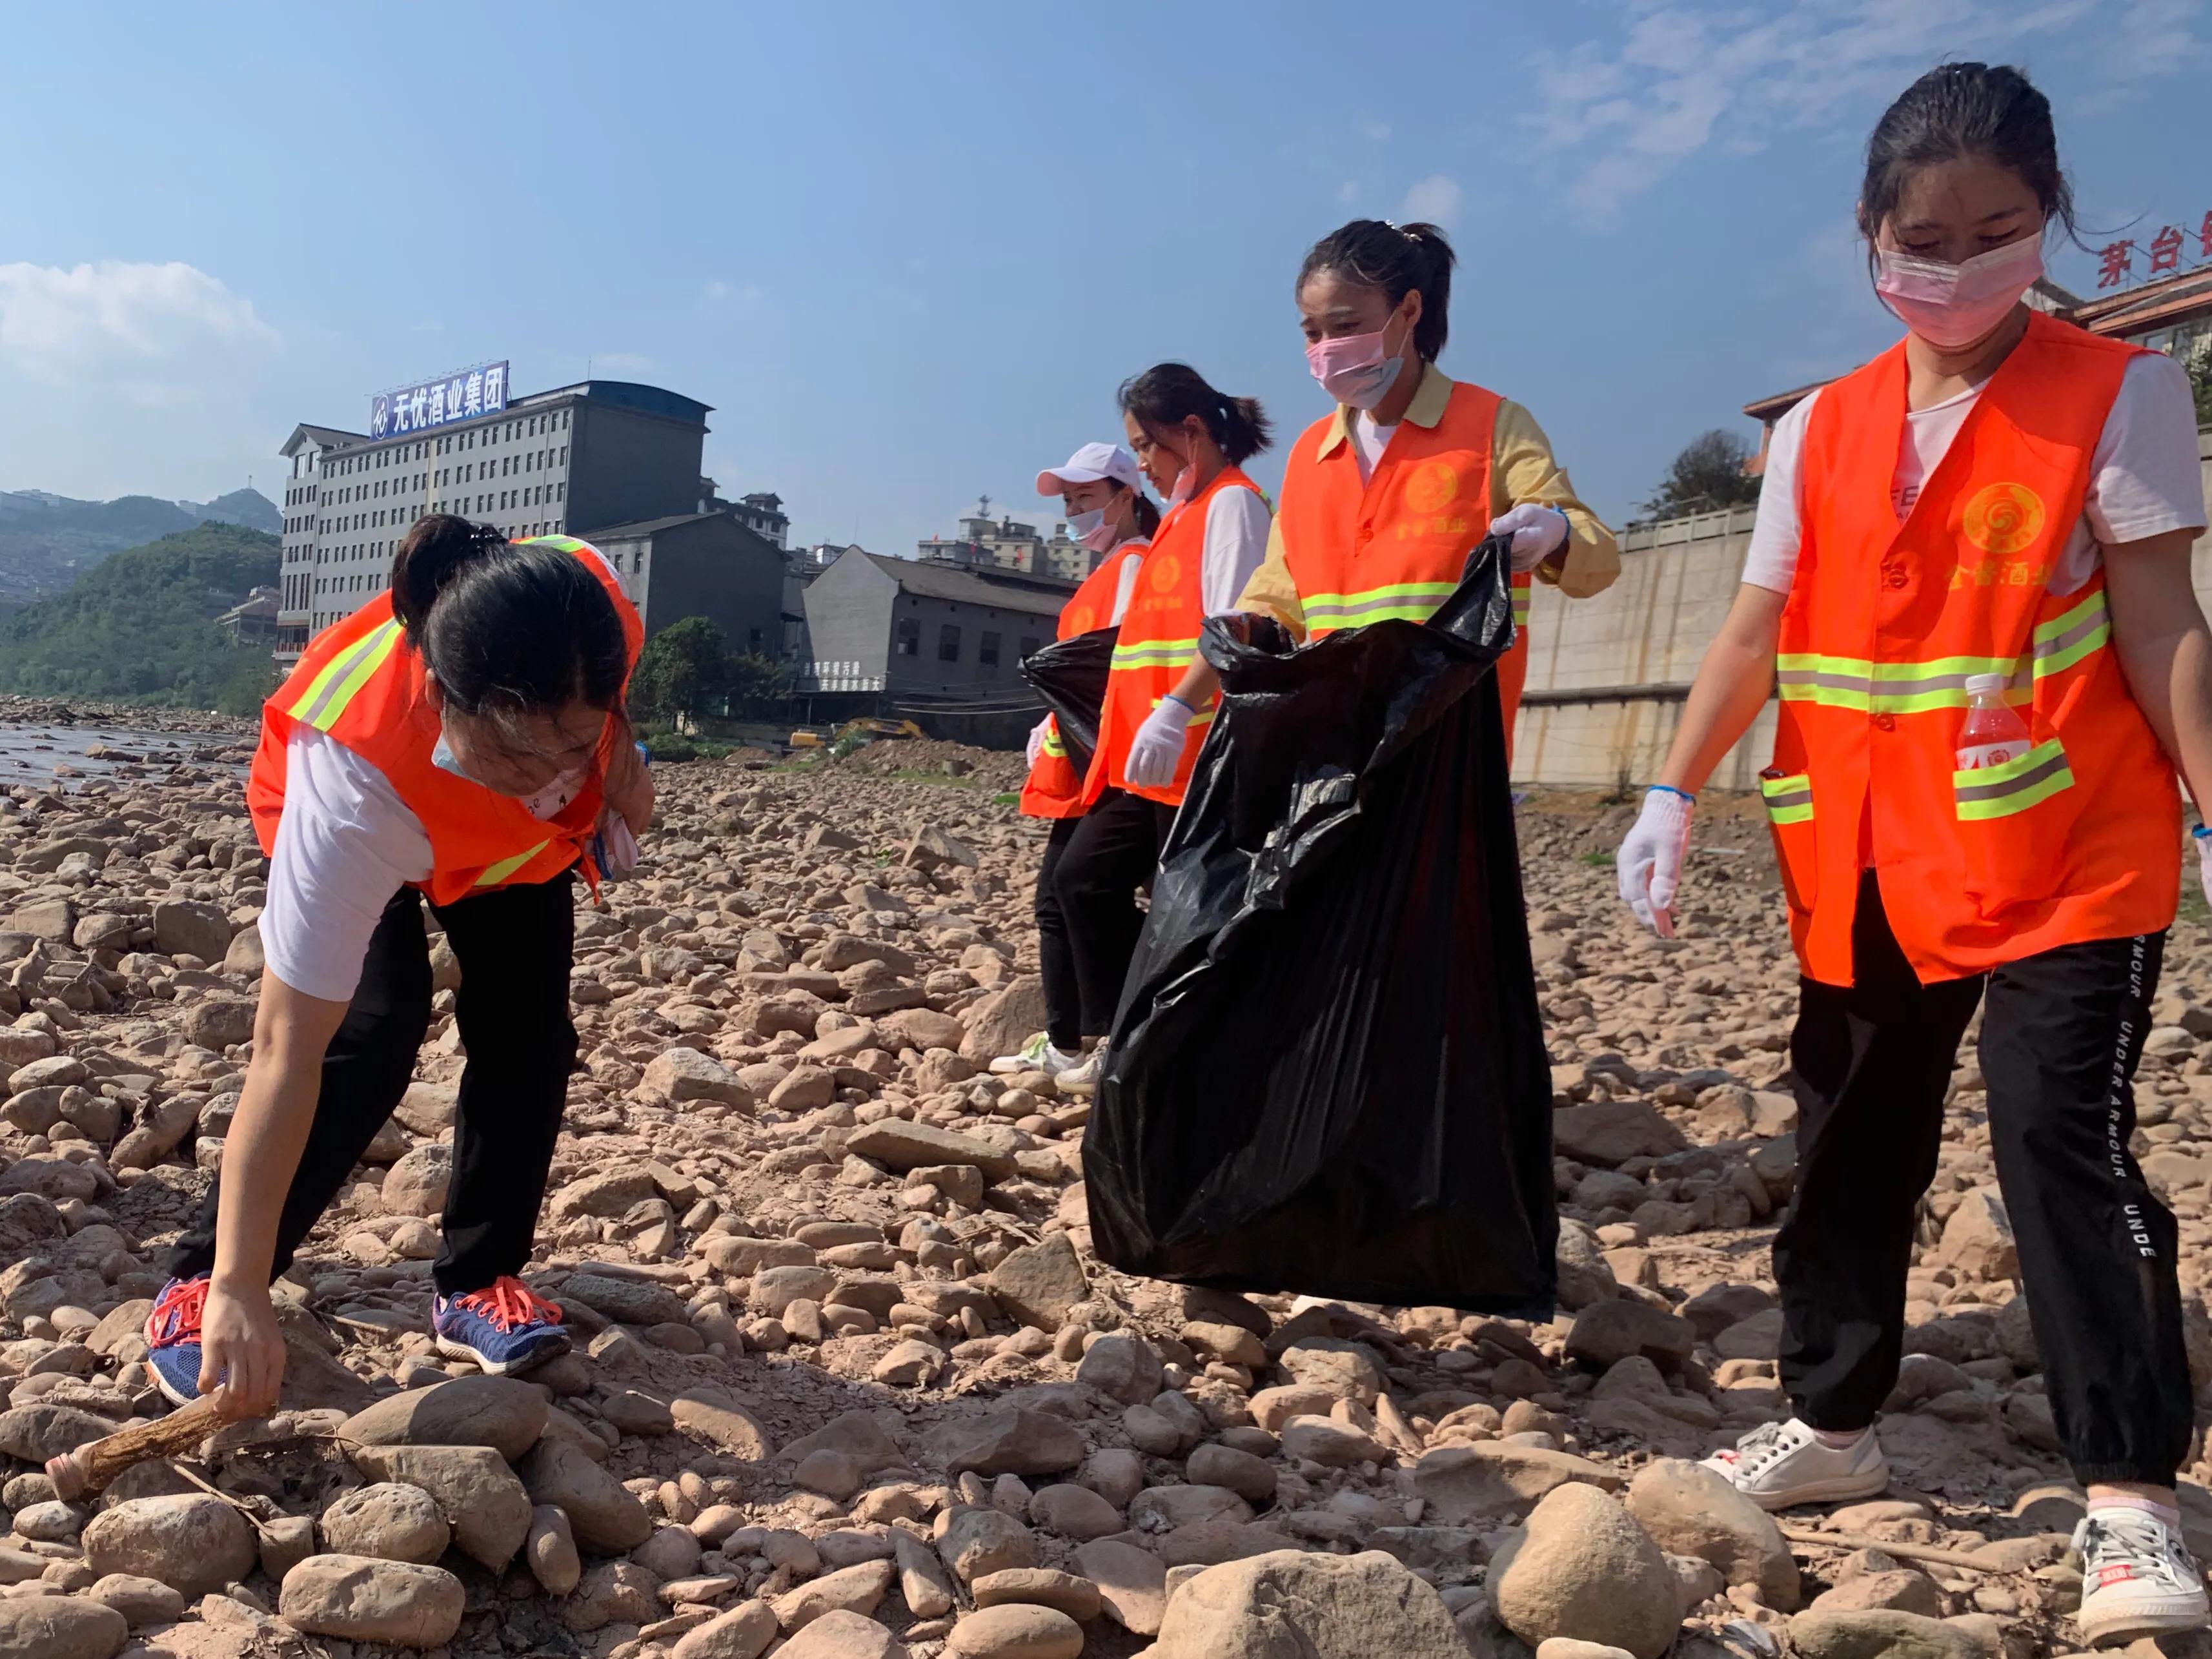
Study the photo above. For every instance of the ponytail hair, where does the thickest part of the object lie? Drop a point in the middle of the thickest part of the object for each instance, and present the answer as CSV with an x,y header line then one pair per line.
x,y
1167,394
1398,259
1144,514
506,628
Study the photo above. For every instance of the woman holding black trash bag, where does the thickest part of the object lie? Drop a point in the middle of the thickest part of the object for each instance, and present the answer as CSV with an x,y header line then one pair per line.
x,y
1971,579
1191,441
1109,514
1383,499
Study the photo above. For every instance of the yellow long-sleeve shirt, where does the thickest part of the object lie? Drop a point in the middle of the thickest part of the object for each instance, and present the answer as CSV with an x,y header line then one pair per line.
x,y
1522,469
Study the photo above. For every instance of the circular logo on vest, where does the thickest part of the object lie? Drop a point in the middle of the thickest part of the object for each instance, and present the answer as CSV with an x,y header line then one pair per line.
x,y
1079,620
2003,518
1431,488
1166,571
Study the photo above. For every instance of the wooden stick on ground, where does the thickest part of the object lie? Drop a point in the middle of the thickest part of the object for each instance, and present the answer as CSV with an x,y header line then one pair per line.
x,y
1857,1540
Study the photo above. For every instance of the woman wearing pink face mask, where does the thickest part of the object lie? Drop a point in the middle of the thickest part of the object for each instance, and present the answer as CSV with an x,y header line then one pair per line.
x,y
1970,575
1383,499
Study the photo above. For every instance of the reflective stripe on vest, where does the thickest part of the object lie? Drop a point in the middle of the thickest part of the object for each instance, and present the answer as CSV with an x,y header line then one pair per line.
x,y
342,677
2013,786
1788,799
1155,653
495,873
1414,602
1054,744
1914,688
1522,586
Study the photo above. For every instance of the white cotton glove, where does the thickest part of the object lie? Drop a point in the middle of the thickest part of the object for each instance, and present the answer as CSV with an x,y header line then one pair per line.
x,y
1537,533
2203,839
1038,732
1157,750
1649,862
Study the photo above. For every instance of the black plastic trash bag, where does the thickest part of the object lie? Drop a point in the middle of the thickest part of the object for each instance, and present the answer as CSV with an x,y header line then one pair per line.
x,y
1327,1074
1071,676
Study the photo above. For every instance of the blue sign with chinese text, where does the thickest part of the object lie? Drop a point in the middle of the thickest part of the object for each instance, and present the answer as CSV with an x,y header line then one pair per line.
x,y
459,397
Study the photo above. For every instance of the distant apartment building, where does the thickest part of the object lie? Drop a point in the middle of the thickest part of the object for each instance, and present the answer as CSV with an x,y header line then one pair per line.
x,y
1007,544
606,461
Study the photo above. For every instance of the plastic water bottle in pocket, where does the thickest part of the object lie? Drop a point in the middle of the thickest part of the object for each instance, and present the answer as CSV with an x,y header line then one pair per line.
x,y
1994,733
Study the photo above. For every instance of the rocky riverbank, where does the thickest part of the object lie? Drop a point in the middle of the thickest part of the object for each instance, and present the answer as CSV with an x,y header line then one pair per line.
x,y
855,1383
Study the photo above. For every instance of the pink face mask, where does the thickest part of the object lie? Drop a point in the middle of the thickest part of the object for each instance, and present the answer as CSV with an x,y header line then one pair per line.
x,y
1358,370
1952,306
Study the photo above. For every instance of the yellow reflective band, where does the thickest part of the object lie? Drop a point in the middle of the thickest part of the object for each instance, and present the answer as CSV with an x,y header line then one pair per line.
x,y
1155,653
1913,687
337,685
1789,800
1052,744
566,543
1997,792
495,873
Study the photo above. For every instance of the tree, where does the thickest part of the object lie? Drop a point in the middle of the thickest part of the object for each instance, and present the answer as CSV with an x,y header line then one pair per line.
x,y
1707,475
2196,358
682,668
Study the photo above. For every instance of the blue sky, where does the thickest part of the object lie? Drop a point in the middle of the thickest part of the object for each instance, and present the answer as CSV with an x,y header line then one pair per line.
x,y
908,252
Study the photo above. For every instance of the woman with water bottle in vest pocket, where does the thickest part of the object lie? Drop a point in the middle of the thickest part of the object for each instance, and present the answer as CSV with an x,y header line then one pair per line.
x,y
1109,514
1191,441
1384,499
460,740
1970,576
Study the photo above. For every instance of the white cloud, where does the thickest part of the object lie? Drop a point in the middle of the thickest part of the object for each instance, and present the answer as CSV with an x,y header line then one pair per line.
x,y
1677,82
1435,199
160,328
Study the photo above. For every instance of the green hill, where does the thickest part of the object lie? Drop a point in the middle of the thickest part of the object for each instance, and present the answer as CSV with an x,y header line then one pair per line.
x,y
139,626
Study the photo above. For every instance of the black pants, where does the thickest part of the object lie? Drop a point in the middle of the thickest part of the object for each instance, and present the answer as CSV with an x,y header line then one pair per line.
x,y
515,946
2061,1036
1063,992
1111,853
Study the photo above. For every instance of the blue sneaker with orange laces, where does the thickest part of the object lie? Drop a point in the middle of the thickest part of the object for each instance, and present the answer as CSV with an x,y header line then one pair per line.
x,y
172,1338
505,1328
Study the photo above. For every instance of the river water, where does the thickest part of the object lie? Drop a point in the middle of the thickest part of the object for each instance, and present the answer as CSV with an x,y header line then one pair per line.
x,y
37,754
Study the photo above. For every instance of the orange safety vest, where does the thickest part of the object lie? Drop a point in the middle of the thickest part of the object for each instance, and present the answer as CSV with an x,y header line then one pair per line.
x,y
1159,637
360,682
1393,546
1054,788
2075,841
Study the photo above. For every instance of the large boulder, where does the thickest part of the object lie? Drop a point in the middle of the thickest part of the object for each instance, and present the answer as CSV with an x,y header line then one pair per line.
x,y
480,1497
60,1627
1312,1606
192,928
389,1520
1609,1133
605,1514
1689,1510
1037,1284
502,1413
1583,1568
1003,1021
360,1599
194,1543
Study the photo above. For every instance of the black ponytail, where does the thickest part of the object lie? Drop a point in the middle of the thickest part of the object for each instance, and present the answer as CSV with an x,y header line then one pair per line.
x,y
1167,394
1957,111
1144,514
506,628
1398,259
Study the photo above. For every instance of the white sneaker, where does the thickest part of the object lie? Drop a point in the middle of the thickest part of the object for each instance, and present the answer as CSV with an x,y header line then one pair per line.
x,y
1778,1465
1080,1078
2136,1578
1037,1055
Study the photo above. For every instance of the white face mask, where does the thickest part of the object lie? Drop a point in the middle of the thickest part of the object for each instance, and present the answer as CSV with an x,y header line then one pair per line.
x,y
1093,530
543,804
1953,307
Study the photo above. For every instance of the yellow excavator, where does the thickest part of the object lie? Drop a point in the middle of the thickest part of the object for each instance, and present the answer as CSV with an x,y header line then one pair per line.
x,y
868,729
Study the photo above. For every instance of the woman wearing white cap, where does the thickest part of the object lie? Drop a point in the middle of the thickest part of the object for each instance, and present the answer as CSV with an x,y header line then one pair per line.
x,y
1083,968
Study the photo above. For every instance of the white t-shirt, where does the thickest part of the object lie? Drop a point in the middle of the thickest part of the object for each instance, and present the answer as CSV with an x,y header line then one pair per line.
x,y
1125,583
2145,478
1369,441
1236,544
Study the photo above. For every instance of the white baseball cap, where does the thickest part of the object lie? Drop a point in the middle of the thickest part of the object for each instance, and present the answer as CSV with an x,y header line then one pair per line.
x,y
1090,464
